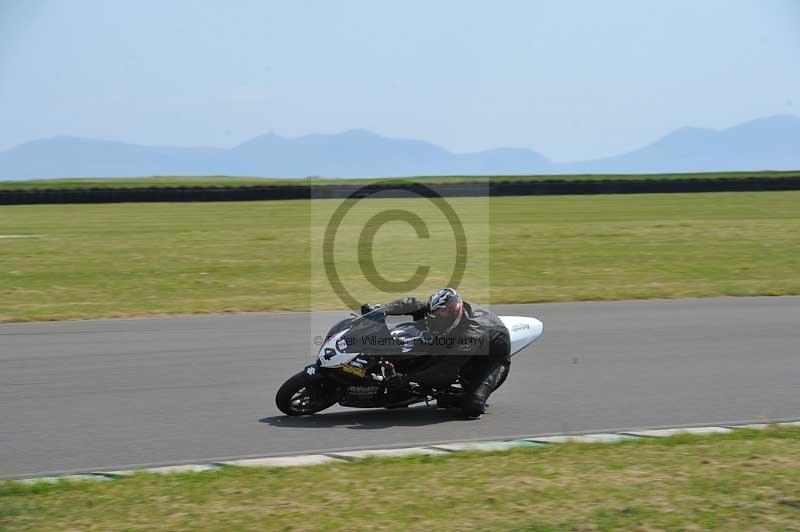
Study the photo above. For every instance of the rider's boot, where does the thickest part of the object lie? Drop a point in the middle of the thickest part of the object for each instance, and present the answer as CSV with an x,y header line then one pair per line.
x,y
474,404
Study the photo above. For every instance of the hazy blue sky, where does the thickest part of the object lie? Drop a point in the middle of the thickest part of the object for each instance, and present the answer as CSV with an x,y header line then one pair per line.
x,y
570,79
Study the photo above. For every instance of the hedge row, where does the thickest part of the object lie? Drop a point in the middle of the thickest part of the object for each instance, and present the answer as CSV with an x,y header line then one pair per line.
x,y
290,192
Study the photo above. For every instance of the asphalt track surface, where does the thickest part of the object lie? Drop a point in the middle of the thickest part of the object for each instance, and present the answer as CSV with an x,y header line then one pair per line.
x,y
89,395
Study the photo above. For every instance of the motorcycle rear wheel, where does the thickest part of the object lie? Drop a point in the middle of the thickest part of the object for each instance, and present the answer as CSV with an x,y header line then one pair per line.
x,y
302,396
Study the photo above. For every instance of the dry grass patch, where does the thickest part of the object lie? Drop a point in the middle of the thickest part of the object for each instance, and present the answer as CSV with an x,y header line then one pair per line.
x,y
152,259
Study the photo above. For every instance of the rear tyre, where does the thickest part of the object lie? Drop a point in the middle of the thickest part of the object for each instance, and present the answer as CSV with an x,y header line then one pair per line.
x,y
302,396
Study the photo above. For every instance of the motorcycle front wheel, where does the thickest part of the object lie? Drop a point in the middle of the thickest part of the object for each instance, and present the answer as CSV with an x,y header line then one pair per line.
x,y
302,396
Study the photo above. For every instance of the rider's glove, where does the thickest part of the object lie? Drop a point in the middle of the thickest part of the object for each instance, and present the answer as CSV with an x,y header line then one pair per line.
x,y
366,307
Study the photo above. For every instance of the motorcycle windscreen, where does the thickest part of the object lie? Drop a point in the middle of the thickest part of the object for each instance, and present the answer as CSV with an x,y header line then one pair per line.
x,y
370,334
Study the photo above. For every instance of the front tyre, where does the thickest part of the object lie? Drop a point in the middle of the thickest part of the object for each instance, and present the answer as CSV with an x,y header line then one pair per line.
x,y
303,395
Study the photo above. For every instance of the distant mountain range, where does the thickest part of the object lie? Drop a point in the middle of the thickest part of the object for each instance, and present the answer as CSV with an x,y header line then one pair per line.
x,y
765,144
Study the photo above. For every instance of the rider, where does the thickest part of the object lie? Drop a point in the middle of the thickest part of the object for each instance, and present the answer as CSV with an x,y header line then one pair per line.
x,y
464,338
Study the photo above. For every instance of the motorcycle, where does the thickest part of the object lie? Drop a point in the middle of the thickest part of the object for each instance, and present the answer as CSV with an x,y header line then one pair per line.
x,y
359,354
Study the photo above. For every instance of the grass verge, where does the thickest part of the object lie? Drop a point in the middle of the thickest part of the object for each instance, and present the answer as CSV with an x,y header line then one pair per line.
x,y
84,261
745,480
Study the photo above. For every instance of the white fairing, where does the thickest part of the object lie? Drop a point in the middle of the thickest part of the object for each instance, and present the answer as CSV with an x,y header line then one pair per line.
x,y
523,331
334,358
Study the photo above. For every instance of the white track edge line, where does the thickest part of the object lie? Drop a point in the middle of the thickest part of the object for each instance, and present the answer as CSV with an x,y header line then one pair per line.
x,y
421,450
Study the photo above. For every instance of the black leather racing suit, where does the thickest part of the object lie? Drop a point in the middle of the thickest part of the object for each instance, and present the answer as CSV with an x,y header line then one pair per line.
x,y
479,348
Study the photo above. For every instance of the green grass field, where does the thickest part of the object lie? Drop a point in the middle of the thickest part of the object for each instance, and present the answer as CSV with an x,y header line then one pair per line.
x,y
81,261
220,181
747,480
